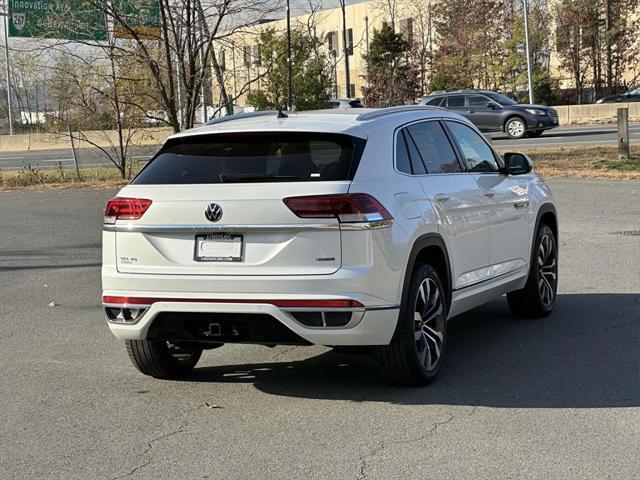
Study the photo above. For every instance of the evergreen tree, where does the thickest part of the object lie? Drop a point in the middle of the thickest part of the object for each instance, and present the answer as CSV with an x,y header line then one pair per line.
x,y
392,79
311,79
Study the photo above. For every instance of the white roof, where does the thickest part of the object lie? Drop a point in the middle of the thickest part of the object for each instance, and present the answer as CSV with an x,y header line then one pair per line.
x,y
351,121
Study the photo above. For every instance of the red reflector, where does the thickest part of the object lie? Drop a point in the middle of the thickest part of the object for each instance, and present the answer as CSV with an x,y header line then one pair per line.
x,y
120,208
346,207
278,303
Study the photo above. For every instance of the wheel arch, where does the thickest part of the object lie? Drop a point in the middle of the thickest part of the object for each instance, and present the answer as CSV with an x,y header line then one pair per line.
x,y
546,214
429,248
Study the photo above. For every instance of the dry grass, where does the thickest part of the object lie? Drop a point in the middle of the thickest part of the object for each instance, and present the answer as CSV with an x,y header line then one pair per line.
x,y
584,161
32,178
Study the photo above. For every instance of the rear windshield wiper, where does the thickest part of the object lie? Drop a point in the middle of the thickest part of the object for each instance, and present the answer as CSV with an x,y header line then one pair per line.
x,y
238,178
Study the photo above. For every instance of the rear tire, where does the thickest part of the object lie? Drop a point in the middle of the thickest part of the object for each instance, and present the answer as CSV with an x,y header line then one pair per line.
x,y
416,352
538,297
162,359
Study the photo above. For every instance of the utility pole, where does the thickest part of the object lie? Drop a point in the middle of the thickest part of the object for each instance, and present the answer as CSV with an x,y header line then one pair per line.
x,y
203,64
607,26
289,66
8,68
366,31
526,39
347,77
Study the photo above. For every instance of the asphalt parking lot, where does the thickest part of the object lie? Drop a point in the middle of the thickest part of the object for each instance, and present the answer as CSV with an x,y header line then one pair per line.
x,y
556,399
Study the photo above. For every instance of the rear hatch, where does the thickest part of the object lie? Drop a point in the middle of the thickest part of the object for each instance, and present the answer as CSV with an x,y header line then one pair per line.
x,y
216,205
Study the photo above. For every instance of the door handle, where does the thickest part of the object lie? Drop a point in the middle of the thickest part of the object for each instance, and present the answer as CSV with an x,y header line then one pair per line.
x,y
442,197
489,193
521,204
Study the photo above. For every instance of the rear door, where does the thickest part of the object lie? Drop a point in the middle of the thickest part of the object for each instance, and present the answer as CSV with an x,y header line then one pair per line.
x,y
217,205
455,196
458,104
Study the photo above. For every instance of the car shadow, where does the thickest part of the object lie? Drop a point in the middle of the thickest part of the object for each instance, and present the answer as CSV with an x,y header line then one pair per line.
x,y
585,355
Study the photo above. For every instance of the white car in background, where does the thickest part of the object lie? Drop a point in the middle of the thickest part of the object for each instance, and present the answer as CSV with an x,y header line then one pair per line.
x,y
345,228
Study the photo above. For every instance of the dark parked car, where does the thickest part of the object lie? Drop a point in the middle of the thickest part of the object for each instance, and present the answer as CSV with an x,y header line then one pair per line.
x,y
343,103
493,112
632,95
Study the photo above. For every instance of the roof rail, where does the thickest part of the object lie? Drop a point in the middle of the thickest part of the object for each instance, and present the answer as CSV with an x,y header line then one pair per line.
x,y
241,116
381,112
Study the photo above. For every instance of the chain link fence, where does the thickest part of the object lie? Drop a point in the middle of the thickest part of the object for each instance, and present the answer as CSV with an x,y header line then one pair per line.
x,y
30,149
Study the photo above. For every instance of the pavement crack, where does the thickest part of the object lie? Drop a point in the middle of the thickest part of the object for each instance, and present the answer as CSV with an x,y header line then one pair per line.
x,y
366,458
283,352
150,444
610,327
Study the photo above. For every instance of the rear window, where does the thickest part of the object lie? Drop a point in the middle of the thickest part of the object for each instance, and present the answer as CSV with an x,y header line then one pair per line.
x,y
260,157
434,102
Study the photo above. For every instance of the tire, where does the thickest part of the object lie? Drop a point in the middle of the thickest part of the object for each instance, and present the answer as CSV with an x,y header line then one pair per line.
x,y
416,352
538,297
534,133
161,359
515,127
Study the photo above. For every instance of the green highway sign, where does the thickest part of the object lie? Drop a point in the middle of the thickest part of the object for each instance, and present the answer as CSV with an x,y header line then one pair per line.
x,y
139,16
57,19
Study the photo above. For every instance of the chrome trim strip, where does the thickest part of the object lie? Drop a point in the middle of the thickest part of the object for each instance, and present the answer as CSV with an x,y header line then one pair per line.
x,y
383,307
486,280
197,229
375,225
356,318
488,273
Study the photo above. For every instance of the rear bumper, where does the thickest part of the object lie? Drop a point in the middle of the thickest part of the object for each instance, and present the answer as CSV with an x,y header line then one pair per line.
x,y
370,326
374,323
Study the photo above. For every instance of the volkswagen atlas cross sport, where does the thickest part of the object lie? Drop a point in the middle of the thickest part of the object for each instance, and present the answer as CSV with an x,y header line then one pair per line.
x,y
351,228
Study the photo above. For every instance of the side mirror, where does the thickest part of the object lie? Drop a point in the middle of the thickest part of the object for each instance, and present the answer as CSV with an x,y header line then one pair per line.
x,y
517,163
492,106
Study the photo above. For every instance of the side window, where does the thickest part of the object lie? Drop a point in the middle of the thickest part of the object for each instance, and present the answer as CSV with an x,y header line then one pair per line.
x,y
434,147
402,155
434,102
407,157
455,101
478,101
476,152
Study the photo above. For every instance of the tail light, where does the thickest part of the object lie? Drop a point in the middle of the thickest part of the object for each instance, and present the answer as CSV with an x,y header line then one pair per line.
x,y
346,207
120,208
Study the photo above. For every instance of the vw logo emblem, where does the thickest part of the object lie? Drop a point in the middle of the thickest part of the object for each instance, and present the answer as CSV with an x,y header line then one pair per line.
x,y
213,212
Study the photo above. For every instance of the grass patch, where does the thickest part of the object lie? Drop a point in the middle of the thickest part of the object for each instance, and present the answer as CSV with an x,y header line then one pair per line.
x,y
600,161
29,177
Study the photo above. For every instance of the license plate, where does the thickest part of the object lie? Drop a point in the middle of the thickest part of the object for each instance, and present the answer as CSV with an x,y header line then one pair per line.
x,y
219,247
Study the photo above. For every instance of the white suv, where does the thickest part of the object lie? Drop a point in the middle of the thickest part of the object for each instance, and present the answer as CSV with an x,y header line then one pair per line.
x,y
346,228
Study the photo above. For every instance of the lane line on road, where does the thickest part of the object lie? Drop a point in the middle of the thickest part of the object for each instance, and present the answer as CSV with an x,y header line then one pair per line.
x,y
559,144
